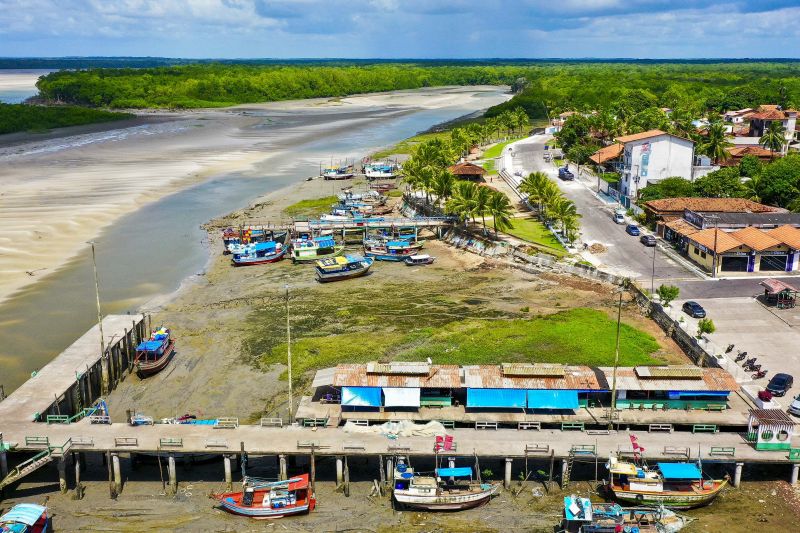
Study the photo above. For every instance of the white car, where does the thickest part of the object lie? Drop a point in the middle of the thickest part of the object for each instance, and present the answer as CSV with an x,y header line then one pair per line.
x,y
618,218
794,408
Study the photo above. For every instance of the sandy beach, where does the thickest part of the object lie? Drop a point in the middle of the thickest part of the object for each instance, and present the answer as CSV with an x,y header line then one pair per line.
x,y
59,192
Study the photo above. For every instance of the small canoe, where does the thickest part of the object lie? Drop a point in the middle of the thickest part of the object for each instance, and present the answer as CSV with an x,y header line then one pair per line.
x,y
421,259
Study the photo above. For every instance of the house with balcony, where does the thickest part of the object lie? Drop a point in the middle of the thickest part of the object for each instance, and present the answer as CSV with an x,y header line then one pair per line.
x,y
760,121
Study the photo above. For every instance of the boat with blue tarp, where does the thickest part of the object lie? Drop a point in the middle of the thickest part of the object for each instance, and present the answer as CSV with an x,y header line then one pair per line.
x,y
450,489
581,515
25,518
381,170
343,267
262,499
154,354
260,253
390,250
314,249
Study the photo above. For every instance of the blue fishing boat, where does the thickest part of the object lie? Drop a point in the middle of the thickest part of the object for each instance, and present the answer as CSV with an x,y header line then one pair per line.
x,y
25,518
341,268
308,250
381,170
390,250
153,355
581,515
260,253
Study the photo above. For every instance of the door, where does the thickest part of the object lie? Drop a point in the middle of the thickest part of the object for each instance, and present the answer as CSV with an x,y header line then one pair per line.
x,y
734,264
774,263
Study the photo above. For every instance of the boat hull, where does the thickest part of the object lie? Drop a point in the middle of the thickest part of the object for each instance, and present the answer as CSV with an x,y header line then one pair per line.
x,y
341,276
265,514
274,258
339,250
670,499
149,368
446,502
387,257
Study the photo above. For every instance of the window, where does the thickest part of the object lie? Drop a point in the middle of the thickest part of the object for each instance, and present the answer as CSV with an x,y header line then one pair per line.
x,y
703,255
783,435
767,435
696,251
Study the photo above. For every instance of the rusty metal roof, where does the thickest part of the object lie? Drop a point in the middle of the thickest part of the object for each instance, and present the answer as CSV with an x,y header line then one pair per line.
x,y
527,369
713,379
439,376
492,377
679,372
399,367
772,416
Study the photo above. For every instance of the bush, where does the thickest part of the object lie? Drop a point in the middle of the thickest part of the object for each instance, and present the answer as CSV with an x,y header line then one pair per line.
x,y
705,326
667,293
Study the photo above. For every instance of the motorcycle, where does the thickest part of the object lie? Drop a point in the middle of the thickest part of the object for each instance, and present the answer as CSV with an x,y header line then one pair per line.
x,y
749,362
729,349
760,374
741,356
752,368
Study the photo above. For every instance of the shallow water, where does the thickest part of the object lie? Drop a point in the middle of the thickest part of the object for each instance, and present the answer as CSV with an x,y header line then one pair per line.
x,y
17,85
149,252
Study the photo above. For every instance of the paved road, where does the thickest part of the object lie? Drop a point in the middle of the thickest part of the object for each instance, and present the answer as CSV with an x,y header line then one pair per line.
x,y
625,255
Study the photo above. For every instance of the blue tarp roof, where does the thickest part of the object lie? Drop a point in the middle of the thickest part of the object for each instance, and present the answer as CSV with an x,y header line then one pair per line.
x,y
463,471
496,398
150,346
361,396
552,399
326,240
24,513
698,393
270,245
402,244
680,471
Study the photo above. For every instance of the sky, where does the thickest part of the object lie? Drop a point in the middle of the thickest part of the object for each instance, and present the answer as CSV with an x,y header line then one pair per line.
x,y
400,28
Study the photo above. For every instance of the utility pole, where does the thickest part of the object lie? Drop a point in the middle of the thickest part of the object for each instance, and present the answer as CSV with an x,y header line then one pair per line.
x,y
714,251
289,353
97,296
616,364
653,276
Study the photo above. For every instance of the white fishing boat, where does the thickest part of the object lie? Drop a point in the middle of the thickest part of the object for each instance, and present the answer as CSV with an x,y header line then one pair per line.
x,y
447,490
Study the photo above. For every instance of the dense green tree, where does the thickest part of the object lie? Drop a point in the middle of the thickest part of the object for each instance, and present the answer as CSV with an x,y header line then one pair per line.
x,y
500,210
722,183
715,145
750,166
651,118
779,181
674,187
580,153
774,137
575,130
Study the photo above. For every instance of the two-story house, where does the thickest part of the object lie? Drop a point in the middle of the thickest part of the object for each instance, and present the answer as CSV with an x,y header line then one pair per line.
x,y
652,156
767,114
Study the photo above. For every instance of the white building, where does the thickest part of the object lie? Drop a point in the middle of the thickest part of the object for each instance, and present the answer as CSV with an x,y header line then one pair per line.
x,y
652,156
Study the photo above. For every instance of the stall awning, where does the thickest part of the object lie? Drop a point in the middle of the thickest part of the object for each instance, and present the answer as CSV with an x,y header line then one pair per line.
x,y
400,397
463,471
680,471
552,399
361,396
496,398
681,393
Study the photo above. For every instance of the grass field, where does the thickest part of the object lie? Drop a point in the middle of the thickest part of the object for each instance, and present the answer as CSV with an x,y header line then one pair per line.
x,y
531,230
407,146
311,208
497,149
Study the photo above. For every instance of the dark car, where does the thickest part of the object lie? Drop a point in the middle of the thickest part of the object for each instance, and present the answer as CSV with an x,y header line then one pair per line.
x,y
632,229
780,384
647,240
694,310
565,174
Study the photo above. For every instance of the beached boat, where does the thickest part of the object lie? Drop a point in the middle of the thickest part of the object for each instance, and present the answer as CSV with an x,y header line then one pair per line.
x,y
154,354
232,237
583,516
241,246
308,250
341,268
269,499
260,253
381,170
430,493
25,518
673,485
421,259
384,250
341,172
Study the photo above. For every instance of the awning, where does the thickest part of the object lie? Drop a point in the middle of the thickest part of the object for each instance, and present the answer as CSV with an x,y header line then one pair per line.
x,y
400,397
361,396
463,471
680,471
681,393
552,399
496,398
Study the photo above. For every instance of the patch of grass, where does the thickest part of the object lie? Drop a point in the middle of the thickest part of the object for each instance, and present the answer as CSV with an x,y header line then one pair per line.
x,y
395,193
489,166
497,149
406,146
610,177
558,162
310,208
531,230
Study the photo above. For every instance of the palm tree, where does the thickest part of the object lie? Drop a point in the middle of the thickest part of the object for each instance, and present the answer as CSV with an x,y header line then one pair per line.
x,y
752,187
534,186
427,175
715,144
482,195
443,186
411,170
500,209
550,195
774,138
522,119
564,210
463,202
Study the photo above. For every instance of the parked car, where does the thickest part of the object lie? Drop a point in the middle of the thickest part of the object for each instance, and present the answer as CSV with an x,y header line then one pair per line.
x,y
694,309
565,174
647,240
632,229
794,407
780,384
619,218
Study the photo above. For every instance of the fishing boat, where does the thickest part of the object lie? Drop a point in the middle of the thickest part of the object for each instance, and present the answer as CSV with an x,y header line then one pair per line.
x,y
421,259
233,237
384,250
241,246
341,268
154,354
673,485
269,499
260,253
308,250
429,493
381,170
25,518
337,172
583,516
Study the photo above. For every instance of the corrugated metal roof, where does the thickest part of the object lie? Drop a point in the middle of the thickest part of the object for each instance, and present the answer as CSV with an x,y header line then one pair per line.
x,y
713,379
440,376
492,377
527,369
680,372
323,378
399,367
772,416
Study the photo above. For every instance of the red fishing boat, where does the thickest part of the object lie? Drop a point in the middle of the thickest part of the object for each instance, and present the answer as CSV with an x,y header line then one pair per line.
x,y
269,499
153,355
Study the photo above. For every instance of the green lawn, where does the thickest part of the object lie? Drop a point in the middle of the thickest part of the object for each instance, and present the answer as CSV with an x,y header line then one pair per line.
x,y
494,151
489,166
532,230
407,146
311,208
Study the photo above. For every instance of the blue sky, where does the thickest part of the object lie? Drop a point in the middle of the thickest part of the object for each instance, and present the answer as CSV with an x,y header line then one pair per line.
x,y
400,28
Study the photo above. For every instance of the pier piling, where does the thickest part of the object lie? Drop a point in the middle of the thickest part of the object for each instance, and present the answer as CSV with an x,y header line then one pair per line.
x,y
564,474
117,472
62,474
173,474
76,458
795,471
507,477
737,475
390,472
3,464
339,470
282,467
226,459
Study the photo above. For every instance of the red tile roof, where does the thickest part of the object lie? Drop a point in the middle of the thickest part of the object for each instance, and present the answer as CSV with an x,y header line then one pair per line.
x,y
466,169
724,241
741,151
640,136
755,238
711,205
607,153
788,235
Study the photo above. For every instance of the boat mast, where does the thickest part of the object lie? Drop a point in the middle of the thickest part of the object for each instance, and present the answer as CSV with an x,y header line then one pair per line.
x,y
289,353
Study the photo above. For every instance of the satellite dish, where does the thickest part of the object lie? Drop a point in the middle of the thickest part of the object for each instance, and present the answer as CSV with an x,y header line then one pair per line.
x,y
429,361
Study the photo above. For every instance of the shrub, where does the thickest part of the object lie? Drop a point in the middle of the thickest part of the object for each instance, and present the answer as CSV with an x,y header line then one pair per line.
x,y
667,293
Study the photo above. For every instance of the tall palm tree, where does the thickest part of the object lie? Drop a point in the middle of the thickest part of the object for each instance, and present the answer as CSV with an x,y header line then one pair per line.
x,y
564,210
427,175
522,119
534,186
550,196
443,186
463,202
774,138
752,187
500,209
715,144
482,196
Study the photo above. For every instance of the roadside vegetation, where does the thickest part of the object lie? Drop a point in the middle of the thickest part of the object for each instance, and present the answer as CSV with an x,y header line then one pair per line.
x,y
531,230
37,119
551,204
311,208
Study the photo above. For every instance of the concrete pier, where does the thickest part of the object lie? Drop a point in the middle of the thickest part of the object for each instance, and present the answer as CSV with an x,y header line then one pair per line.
x,y
226,459
339,469
737,475
507,476
117,472
795,471
173,474
62,474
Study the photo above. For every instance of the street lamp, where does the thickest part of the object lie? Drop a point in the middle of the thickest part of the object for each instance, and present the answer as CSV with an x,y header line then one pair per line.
x,y
97,297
